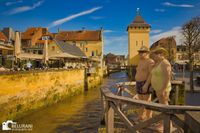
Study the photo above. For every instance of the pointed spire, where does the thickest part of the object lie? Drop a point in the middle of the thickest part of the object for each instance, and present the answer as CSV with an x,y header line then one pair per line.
x,y
138,11
139,21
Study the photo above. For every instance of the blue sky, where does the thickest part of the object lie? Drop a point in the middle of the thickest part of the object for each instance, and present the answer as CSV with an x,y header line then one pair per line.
x,y
165,16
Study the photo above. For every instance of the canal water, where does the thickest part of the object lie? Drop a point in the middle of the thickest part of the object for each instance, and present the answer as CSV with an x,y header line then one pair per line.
x,y
78,114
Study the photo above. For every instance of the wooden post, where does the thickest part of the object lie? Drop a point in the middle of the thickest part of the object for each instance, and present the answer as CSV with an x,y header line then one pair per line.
x,y
109,118
85,80
103,104
176,94
120,94
166,123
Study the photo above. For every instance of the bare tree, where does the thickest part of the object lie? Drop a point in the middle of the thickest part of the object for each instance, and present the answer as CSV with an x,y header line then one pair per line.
x,y
191,34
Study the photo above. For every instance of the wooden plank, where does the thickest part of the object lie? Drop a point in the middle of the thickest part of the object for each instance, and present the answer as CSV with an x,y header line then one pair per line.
x,y
103,104
129,92
155,100
176,94
133,83
192,120
127,123
166,123
177,82
109,118
178,121
171,109
149,122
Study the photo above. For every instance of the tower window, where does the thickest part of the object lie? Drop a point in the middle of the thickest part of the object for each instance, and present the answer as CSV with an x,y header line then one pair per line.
x,y
92,54
136,43
53,48
142,43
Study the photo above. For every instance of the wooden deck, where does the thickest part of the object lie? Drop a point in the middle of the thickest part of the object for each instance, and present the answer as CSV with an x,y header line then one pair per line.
x,y
116,108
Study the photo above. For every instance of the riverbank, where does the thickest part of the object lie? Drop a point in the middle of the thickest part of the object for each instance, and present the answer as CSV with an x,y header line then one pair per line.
x,y
22,93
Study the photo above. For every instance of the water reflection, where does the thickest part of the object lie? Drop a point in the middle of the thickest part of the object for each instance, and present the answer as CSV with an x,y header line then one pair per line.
x,y
77,114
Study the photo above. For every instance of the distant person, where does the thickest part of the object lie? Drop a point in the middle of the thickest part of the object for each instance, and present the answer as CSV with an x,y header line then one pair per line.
x,y
28,65
160,78
142,72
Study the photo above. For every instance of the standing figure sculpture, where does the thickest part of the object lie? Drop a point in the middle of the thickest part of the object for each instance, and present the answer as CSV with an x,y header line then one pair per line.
x,y
160,78
142,73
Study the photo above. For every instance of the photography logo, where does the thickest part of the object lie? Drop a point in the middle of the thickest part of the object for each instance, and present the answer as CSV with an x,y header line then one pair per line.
x,y
10,125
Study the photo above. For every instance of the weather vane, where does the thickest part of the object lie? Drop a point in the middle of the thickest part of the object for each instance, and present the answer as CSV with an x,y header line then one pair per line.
x,y
138,11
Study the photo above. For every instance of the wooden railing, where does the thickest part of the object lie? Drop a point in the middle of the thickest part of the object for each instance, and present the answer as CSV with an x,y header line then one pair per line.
x,y
112,104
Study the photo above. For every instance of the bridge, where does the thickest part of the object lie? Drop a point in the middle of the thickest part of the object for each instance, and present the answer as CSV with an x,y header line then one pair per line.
x,y
114,104
117,69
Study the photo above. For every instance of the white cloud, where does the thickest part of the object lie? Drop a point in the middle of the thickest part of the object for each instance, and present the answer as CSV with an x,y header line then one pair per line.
x,y
177,5
97,17
25,8
159,10
12,3
63,20
116,44
175,31
156,31
108,31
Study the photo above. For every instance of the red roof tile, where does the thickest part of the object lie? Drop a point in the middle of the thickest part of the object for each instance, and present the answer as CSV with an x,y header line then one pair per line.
x,y
29,33
164,42
83,35
139,22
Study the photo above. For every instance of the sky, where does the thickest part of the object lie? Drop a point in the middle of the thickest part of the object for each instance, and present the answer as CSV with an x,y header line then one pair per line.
x,y
165,17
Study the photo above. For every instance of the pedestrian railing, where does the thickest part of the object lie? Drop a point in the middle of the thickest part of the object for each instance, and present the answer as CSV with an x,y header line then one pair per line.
x,y
112,105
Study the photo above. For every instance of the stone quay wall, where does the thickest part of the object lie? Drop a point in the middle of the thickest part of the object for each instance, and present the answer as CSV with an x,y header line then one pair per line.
x,y
24,92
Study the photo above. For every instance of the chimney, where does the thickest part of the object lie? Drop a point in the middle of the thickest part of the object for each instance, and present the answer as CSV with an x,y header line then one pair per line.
x,y
8,32
44,30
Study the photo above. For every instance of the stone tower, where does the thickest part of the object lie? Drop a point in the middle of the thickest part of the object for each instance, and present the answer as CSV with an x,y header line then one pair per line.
x,y
138,35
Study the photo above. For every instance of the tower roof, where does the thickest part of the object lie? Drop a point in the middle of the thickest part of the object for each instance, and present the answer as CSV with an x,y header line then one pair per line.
x,y
139,22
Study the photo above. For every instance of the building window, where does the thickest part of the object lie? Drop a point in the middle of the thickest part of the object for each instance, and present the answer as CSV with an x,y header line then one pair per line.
x,y
10,52
34,51
29,42
96,52
40,52
136,43
142,43
39,45
1,42
45,37
74,43
92,53
53,48
86,49
179,57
